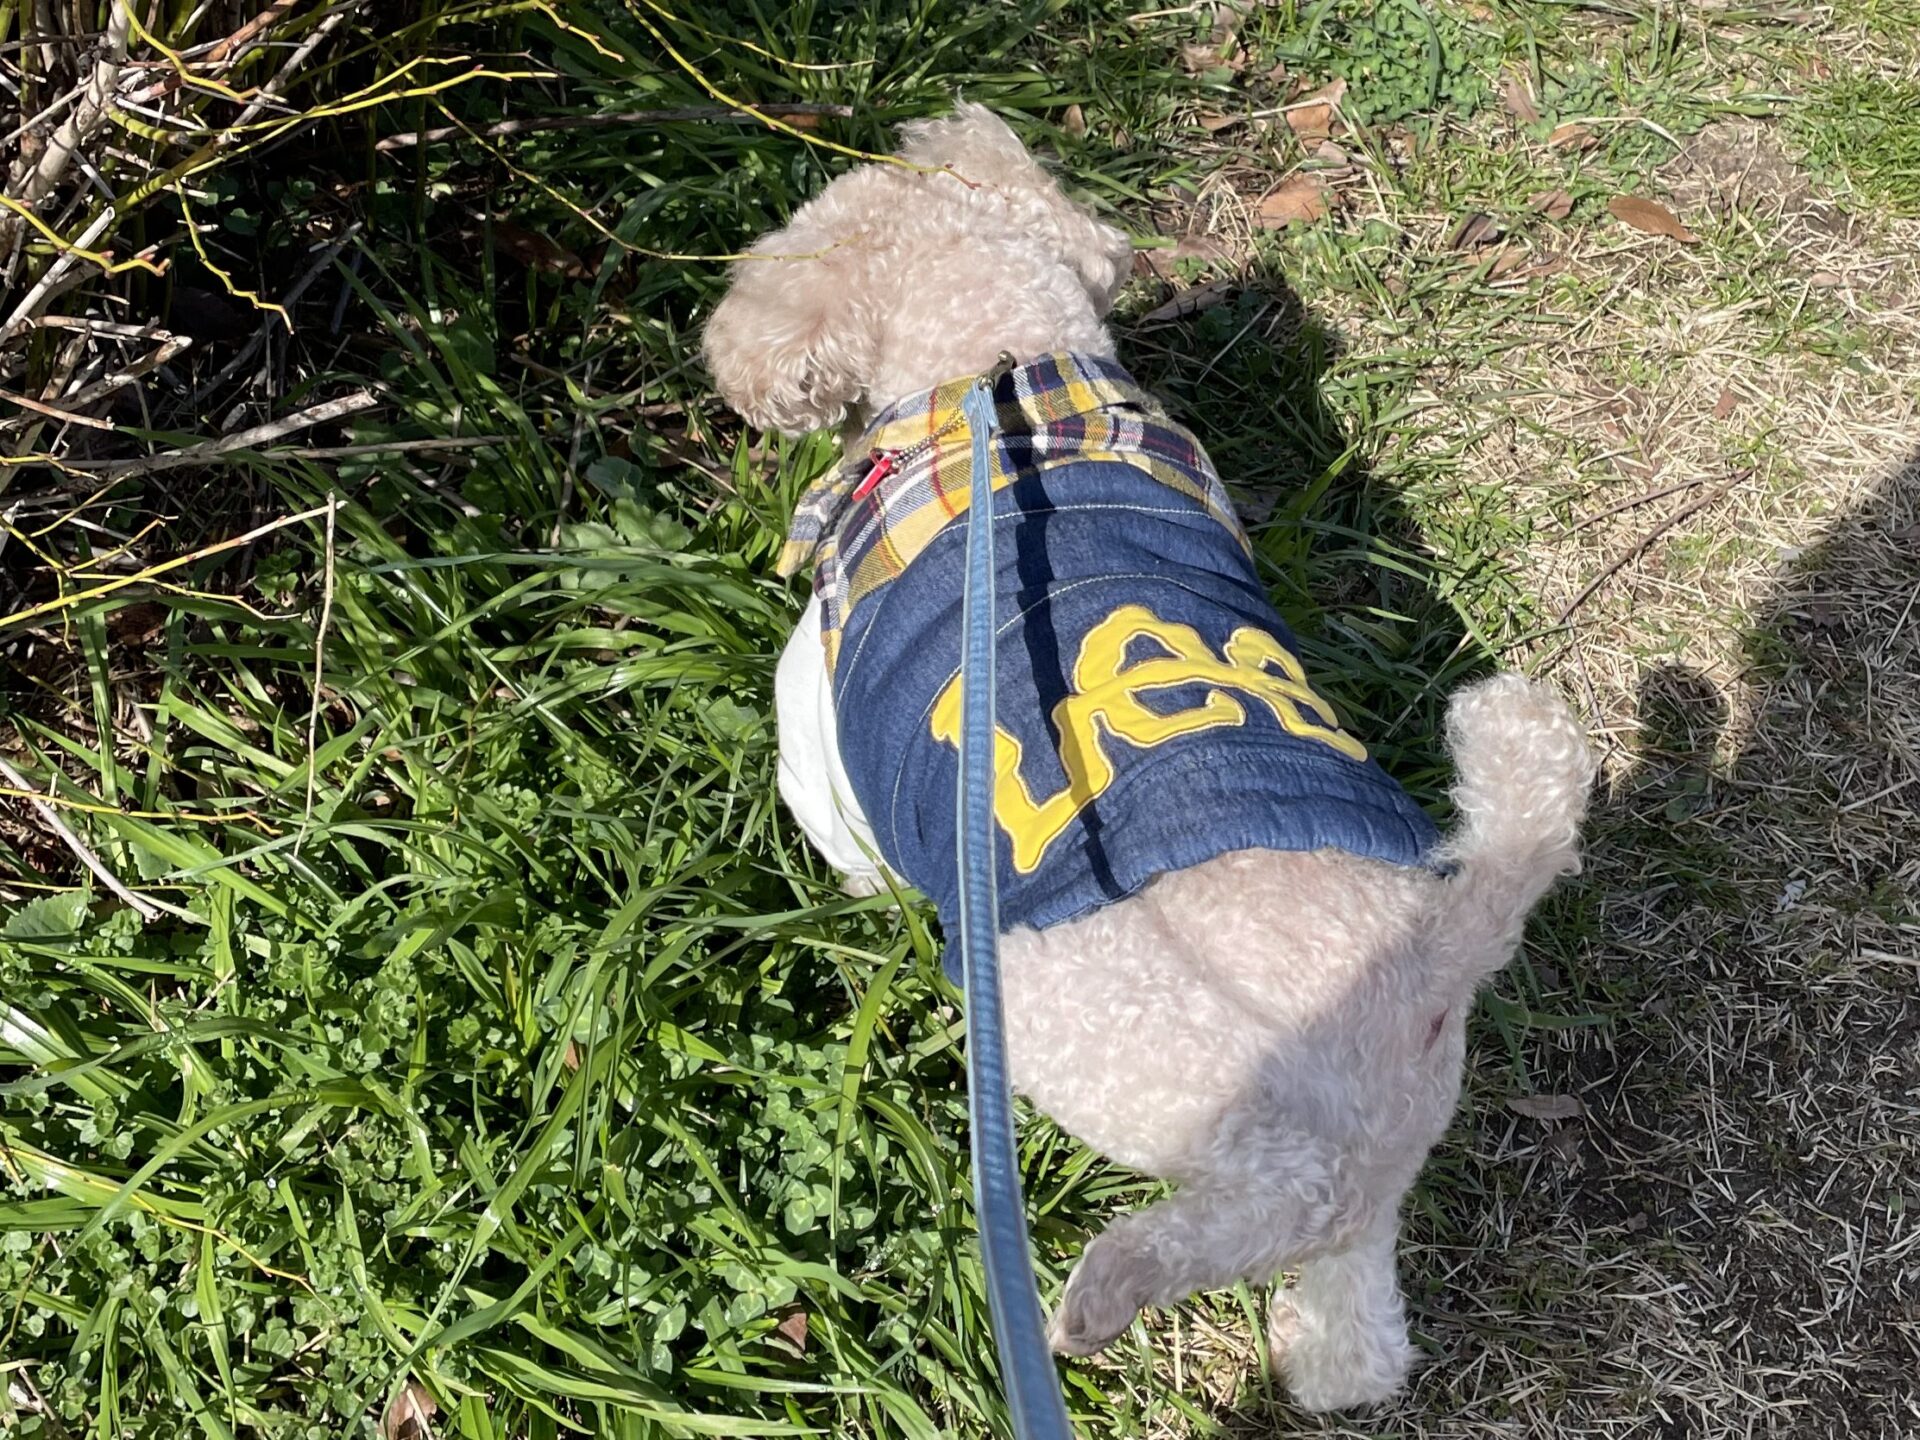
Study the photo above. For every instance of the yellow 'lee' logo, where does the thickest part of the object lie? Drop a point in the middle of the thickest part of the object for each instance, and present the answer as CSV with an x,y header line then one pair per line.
x,y
1108,700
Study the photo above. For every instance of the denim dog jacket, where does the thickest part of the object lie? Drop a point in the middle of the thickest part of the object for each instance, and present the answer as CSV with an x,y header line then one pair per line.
x,y
1151,710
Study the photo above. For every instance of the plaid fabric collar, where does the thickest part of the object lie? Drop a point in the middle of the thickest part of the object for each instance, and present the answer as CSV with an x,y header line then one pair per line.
x,y
1059,408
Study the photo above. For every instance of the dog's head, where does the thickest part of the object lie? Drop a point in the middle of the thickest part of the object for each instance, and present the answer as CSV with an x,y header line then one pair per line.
x,y
798,338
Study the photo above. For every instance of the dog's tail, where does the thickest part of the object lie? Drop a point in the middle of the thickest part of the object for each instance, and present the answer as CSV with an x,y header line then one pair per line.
x,y
1523,769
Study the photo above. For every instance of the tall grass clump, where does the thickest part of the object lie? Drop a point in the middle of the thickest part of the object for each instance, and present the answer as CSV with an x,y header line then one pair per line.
x,y
413,1015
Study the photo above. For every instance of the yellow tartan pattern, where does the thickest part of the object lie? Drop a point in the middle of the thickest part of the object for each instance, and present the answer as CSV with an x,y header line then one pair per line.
x,y
1057,410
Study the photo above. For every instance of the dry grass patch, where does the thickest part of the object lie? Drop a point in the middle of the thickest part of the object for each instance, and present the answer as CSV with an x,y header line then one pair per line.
x,y
1707,459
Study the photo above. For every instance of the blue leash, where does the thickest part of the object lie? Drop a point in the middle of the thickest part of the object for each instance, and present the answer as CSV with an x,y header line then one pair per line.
x,y
1026,1363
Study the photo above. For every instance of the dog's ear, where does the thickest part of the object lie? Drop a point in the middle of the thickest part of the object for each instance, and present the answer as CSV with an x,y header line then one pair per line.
x,y
792,346
980,148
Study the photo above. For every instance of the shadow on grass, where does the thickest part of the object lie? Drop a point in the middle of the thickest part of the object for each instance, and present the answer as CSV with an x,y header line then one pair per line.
x,y
1724,1238
1340,552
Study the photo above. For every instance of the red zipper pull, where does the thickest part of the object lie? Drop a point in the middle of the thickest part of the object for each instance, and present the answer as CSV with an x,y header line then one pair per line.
x,y
882,467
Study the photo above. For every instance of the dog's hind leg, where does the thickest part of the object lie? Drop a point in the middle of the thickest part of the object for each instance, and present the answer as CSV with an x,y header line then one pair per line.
x,y
1339,1332
1271,1196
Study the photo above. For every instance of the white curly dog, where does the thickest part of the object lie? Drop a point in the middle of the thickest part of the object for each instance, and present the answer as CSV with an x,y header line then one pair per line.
x,y
1281,1033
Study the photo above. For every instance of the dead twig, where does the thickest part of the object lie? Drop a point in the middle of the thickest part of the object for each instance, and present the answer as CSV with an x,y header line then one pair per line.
x,y
1645,497
1640,546
224,52
75,130
56,272
682,115
95,326
66,602
151,361
388,447
99,390
269,93
250,439
65,417
61,495
148,909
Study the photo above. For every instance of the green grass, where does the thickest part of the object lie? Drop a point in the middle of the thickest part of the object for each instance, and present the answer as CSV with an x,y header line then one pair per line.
x,y
507,1040
1859,132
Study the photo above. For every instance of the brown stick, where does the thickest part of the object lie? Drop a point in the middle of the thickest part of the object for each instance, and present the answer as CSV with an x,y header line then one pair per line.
x,y
1640,546
272,15
615,117
389,447
1643,498
65,417
147,908
102,327
84,120
250,439
147,363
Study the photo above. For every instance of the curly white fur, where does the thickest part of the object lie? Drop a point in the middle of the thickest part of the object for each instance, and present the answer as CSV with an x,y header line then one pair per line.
x,y
1281,1034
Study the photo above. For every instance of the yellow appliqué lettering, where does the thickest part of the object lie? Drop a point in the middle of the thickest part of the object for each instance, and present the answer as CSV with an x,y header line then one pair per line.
x,y
1107,701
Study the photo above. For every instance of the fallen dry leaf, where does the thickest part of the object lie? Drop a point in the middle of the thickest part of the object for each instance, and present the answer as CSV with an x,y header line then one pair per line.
x,y
1304,197
536,252
1514,263
409,1414
137,624
1564,1145
1650,217
1726,404
1554,204
1825,280
1331,155
1312,117
1518,97
1190,301
1074,121
793,1329
1547,1107
1198,59
1474,231
1222,49
1506,262
1214,124
1572,137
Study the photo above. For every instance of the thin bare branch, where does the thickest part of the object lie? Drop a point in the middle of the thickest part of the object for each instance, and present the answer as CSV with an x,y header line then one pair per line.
x,y
681,115
85,119
1639,547
249,439
148,909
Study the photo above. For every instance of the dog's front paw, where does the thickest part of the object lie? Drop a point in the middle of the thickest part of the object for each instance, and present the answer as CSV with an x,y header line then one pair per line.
x,y
1104,1293
1338,1360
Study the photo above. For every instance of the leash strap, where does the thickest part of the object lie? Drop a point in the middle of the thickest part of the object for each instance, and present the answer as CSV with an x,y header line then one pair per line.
x,y
1026,1363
